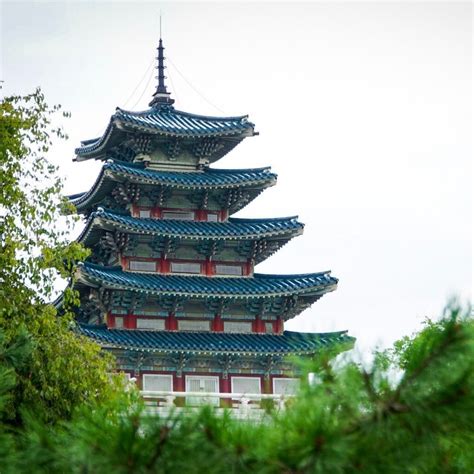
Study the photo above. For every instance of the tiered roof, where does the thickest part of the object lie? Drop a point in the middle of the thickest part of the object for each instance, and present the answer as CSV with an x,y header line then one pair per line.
x,y
254,181
162,152
165,121
279,230
257,286
217,343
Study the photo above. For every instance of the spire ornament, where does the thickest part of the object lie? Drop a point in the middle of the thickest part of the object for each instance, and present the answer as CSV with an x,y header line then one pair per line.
x,y
161,95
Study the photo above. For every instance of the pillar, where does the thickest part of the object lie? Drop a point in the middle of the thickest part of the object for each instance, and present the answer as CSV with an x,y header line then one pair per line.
x,y
171,323
217,324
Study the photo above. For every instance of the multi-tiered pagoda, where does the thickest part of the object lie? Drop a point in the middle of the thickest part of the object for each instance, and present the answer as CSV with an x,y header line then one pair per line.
x,y
170,286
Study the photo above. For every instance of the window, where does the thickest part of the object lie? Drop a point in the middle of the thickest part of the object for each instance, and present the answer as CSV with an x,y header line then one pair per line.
x,y
153,324
200,383
229,269
200,325
245,385
179,215
158,383
212,217
142,266
144,213
237,326
185,267
285,386
118,322
269,328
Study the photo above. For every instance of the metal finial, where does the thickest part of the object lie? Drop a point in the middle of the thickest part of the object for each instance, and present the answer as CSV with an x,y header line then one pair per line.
x,y
161,95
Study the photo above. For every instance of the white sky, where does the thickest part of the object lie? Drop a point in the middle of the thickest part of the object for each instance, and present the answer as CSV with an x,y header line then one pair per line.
x,y
363,109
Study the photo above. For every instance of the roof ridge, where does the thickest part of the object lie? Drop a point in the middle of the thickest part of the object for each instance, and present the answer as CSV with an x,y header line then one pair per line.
x,y
168,109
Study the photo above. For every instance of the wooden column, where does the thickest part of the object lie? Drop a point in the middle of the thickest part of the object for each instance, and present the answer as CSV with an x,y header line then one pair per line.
x,y
209,267
156,213
201,215
267,384
171,323
258,325
278,325
225,387
217,324
179,386
164,265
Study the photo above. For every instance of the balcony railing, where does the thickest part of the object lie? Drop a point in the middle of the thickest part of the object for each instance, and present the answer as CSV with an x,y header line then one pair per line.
x,y
239,405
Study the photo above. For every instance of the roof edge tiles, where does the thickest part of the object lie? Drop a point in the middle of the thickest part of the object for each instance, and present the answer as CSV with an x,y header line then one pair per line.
x,y
256,286
165,120
233,229
289,342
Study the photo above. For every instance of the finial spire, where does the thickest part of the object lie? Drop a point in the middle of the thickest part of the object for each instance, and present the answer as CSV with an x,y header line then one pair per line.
x,y
161,95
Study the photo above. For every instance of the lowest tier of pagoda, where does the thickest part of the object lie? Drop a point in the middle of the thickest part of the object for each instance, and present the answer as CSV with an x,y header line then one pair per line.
x,y
170,286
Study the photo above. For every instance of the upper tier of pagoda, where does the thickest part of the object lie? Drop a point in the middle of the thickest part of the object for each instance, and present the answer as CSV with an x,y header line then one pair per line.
x,y
164,137
202,136
232,189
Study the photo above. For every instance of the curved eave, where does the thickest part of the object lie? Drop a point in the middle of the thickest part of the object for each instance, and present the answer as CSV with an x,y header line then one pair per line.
x,y
232,230
289,343
255,180
168,123
259,286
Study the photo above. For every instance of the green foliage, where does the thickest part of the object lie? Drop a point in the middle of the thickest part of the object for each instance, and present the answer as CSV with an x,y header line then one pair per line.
x,y
412,412
64,370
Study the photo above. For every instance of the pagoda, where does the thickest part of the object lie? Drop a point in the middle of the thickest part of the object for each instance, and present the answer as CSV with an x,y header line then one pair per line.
x,y
170,287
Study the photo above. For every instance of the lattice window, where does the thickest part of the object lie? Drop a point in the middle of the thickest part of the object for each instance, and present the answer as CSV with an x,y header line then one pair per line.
x,y
285,386
179,215
237,326
269,328
142,266
144,213
118,322
245,385
153,324
198,383
158,383
185,267
212,217
199,325
228,269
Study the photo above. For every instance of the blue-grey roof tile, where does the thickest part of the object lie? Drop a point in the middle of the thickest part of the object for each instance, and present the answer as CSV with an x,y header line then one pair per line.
x,y
166,341
172,122
256,286
207,179
233,229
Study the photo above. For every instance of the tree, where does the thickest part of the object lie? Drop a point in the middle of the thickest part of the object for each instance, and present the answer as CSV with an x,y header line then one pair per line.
x,y
64,369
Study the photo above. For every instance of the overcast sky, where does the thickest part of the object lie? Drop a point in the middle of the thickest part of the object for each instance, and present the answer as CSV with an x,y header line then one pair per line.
x,y
363,109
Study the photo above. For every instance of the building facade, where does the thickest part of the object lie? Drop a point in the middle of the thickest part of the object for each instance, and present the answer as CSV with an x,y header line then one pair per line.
x,y
170,287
